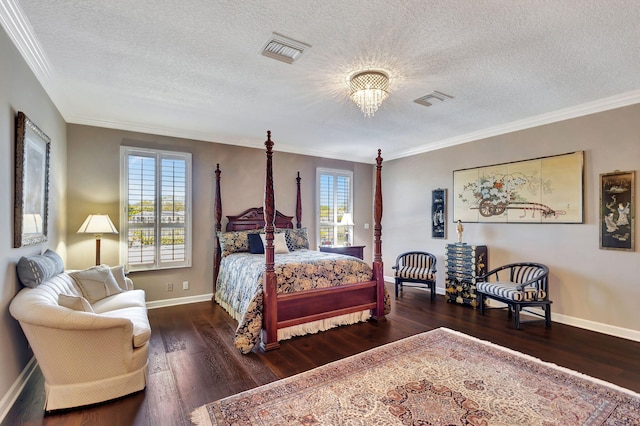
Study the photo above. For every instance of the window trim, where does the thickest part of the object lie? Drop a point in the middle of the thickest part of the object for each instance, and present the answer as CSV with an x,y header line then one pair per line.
x,y
125,152
335,172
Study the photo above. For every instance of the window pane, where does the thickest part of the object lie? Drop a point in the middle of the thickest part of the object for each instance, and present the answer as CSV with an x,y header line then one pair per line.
x,y
172,248
142,190
142,247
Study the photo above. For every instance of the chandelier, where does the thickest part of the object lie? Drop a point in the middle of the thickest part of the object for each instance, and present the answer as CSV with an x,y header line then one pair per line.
x,y
368,89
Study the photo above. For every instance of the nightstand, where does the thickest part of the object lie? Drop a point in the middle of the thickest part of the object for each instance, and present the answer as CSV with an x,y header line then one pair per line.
x,y
355,251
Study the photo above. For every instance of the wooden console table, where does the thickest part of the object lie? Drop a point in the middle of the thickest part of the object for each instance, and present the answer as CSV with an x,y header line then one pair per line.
x,y
355,251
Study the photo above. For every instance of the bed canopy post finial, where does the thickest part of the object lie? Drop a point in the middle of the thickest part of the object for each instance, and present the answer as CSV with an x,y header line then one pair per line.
x,y
298,203
378,267
270,301
218,228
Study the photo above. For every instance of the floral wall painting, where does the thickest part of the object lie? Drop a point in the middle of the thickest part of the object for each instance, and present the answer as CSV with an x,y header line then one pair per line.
x,y
540,190
439,213
617,210
31,183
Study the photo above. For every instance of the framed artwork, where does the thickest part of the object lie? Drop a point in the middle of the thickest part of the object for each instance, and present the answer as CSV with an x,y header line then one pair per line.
x,y
617,210
439,213
540,190
31,205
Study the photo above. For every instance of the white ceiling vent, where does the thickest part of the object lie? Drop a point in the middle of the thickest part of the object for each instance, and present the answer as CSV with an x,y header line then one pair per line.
x,y
427,100
284,49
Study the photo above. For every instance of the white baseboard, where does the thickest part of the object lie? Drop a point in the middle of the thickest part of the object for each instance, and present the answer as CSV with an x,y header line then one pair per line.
x,y
179,301
612,330
16,389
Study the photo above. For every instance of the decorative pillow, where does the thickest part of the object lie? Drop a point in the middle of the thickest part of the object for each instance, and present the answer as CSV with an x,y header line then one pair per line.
x,y
118,274
77,303
96,283
36,269
279,243
297,239
255,244
235,241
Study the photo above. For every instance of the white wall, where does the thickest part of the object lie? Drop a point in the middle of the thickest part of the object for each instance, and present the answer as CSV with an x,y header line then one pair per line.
x,y
587,284
21,91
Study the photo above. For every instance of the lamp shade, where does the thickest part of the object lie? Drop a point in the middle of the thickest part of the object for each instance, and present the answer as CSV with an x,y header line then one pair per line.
x,y
98,224
347,220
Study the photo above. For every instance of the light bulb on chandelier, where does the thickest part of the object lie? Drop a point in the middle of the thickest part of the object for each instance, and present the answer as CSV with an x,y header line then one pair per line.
x,y
368,89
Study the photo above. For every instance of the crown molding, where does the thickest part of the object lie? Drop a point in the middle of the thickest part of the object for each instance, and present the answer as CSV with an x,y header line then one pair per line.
x,y
605,104
19,30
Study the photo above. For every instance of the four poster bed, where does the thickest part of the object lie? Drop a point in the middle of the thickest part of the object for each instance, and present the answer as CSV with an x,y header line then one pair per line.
x,y
299,291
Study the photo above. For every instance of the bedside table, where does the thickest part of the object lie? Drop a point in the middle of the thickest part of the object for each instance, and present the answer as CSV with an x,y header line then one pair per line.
x,y
355,251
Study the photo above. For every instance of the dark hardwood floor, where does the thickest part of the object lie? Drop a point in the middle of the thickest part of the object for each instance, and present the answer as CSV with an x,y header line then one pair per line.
x,y
192,360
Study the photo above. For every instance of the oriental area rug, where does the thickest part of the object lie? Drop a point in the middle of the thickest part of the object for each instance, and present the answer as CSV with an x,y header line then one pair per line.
x,y
441,377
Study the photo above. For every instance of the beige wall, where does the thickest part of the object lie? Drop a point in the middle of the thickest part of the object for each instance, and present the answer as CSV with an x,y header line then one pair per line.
x,y
587,284
93,187
21,91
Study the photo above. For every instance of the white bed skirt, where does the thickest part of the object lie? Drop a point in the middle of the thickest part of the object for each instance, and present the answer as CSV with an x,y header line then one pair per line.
x,y
309,327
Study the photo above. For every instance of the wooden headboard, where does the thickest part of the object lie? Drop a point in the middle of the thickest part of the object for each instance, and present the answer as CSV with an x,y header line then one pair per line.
x,y
253,218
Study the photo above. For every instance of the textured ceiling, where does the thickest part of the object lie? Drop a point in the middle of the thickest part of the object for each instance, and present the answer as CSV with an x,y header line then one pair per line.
x,y
193,68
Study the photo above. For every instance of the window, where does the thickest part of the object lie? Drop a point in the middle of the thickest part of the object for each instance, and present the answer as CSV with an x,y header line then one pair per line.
x,y
156,209
335,198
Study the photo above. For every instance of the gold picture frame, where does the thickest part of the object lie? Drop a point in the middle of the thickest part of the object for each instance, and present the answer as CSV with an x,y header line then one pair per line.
x,y
617,211
31,201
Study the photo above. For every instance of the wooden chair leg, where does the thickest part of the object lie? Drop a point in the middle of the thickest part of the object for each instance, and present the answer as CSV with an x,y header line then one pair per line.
x,y
432,287
398,284
481,301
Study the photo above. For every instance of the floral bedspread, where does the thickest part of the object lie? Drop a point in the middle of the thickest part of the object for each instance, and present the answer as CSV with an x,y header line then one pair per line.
x,y
239,285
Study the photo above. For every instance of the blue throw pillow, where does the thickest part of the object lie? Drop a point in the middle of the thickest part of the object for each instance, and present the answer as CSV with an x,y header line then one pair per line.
x,y
255,244
35,269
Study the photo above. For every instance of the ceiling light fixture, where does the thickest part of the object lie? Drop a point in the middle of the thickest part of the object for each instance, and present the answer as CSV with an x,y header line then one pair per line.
x,y
368,89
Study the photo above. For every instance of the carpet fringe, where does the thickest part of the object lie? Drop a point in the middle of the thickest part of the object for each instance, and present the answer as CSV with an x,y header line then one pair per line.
x,y
545,363
200,416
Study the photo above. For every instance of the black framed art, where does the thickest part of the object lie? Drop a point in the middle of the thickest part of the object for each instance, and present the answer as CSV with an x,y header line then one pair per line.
x,y
617,210
439,213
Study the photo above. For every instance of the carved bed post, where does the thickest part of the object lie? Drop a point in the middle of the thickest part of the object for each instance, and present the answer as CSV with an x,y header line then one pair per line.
x,y
270,302
218,216
298,204
378,268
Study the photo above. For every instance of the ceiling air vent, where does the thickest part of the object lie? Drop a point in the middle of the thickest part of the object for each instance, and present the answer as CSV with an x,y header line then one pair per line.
x,y
284,49
427,100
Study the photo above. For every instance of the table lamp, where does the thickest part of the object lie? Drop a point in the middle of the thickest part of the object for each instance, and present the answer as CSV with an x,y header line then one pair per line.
x,y
347,221
98,224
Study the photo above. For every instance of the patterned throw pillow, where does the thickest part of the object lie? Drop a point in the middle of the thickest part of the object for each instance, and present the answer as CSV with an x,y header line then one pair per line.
x,y
297,239
36,269
233,242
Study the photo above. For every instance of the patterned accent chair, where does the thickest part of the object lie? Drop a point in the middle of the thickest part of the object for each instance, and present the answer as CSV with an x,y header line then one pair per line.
x,y
518,285
417,268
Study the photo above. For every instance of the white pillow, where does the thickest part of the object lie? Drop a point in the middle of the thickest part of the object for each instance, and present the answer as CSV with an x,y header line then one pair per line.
x,y
118,274
77,303
96,283
279,243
